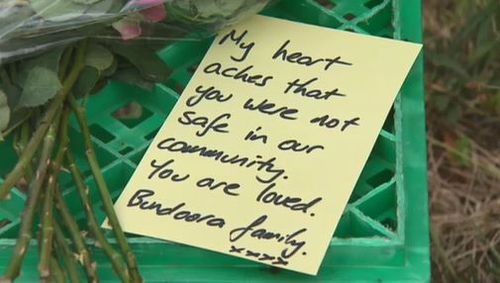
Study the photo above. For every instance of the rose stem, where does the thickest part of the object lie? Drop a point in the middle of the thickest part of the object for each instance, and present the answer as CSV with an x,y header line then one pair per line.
x,y
21,139
47,210
45,123
25,136
7,132
104,192
74,231
44,266
65,60
57,275
35,189
94,228
63,250
17,142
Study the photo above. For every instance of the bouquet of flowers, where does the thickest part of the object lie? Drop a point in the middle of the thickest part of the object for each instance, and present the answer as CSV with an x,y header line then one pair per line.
x,y
53,54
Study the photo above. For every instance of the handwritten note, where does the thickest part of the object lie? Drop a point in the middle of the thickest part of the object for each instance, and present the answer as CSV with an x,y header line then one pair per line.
x,y
261,153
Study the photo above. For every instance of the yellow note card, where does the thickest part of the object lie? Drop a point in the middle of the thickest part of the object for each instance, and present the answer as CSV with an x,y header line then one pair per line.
x,y
264,147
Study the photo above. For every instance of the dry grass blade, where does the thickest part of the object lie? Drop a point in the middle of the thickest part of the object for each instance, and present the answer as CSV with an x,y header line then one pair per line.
x,y
463,102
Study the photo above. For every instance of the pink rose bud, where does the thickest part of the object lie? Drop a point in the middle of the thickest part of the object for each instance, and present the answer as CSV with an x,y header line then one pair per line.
x,y
128,28
152,11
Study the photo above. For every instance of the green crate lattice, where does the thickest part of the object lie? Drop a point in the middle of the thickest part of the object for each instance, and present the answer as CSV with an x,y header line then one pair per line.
x,y
381,235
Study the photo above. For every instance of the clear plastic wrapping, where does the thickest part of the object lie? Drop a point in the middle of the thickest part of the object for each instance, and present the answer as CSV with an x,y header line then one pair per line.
x,y
28,27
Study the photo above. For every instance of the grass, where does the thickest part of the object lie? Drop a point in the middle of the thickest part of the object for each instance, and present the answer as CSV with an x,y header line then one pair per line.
x,y
463,101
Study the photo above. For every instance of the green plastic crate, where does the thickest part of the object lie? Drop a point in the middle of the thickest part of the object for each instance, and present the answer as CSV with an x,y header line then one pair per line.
x,y
383,233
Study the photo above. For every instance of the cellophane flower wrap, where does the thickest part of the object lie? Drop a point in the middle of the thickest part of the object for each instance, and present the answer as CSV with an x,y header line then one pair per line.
x,y
30,26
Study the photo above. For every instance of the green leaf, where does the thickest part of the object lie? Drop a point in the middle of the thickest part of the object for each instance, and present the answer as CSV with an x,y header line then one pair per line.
x,y
41,85
11,91
145,60
206,11
86,82
116,7
58,11
133,77
111,70
210,8
49,60
27,76
101,7
99,57
4,112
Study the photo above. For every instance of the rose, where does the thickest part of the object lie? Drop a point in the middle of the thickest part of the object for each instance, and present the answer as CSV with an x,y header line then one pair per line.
x,y
152,11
